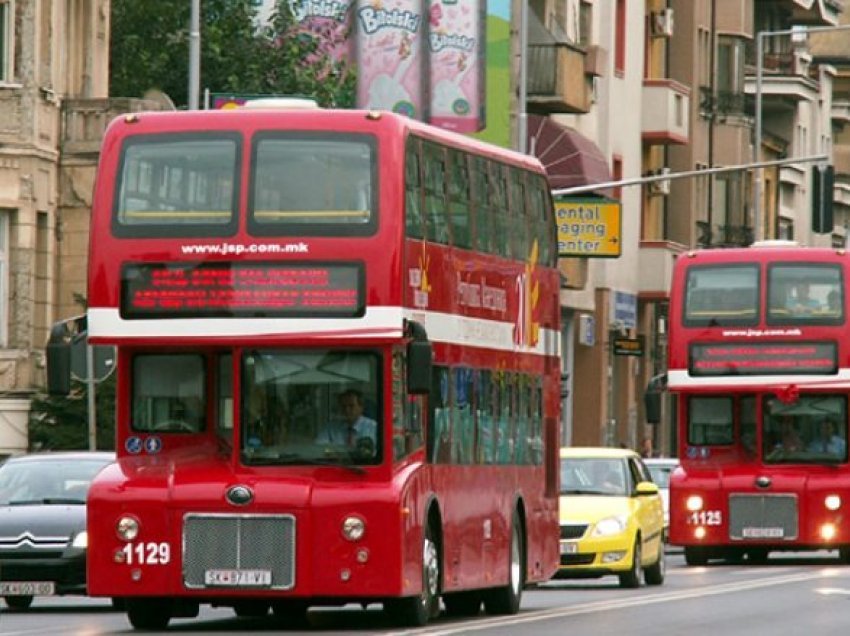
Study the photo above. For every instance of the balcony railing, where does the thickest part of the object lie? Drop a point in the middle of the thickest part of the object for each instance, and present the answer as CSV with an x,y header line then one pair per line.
x,y
85,120
557,80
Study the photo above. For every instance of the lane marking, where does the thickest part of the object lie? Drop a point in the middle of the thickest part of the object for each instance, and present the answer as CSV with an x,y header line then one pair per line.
x,y
598,606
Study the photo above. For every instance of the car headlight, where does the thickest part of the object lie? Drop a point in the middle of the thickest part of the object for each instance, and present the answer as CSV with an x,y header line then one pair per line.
x,y
609,526
81,540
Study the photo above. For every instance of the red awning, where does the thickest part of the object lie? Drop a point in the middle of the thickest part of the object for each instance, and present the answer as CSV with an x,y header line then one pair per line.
x,y
570,158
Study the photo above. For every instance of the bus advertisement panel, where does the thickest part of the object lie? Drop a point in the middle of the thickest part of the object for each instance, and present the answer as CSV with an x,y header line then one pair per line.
x,y
338,366
759,359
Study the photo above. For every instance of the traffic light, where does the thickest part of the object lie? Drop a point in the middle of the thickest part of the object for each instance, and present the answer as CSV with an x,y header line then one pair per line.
x,y
823,177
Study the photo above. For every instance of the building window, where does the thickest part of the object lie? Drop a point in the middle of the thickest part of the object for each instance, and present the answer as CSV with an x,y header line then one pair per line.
x,y
7,40
620,38
5,215
785,229
585,21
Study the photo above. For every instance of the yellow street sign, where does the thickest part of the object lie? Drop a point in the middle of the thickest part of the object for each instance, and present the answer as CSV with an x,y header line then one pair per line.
x,y
588,227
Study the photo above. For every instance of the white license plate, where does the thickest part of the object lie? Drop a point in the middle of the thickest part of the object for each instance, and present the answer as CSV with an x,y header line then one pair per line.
x,y
763,533
27,588
569,548
238,578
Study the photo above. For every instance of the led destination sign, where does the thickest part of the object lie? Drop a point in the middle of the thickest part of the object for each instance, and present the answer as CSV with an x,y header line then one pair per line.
x,y
188,290
763,358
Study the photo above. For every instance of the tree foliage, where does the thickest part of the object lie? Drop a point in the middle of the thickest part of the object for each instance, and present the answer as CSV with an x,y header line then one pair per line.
x,y
61,423
149,49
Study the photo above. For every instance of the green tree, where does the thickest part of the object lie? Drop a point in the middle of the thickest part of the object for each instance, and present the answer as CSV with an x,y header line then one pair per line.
x,y
61,423
149,49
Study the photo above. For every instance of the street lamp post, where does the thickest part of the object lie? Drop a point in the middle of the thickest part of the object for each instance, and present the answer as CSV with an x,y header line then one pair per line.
x,y
760,37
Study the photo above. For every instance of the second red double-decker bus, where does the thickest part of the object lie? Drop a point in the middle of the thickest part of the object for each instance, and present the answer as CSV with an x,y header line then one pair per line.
x,y
338,366
759,360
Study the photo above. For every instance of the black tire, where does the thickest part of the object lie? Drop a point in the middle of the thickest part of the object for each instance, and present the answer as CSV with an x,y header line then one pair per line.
x,y
462,603
844,554
654,574
149,613
292,613
507,599
695,556
634,576
757,555
118,603
251,609
416,611
18,602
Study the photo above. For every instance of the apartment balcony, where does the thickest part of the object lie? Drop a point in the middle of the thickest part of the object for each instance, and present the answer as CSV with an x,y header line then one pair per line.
x,y
557,80
840,111
655,267
85,120
841,157
784,77
665,107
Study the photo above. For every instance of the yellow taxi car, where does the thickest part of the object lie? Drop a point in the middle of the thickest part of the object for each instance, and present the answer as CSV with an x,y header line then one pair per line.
x,y
612,517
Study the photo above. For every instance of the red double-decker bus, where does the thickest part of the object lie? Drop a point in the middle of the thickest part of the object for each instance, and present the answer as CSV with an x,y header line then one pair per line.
x,y
759,362
337,371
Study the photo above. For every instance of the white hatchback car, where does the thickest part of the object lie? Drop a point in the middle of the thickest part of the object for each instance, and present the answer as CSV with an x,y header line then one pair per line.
x,y
661,468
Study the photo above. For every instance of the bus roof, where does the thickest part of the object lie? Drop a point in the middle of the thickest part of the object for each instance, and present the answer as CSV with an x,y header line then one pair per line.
x,y
314,118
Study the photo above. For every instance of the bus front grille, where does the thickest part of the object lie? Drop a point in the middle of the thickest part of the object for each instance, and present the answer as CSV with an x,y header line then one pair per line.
x,y
239,551
763,517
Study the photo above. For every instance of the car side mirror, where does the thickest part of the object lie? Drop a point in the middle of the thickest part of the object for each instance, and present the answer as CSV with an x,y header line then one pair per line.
x,y
645,488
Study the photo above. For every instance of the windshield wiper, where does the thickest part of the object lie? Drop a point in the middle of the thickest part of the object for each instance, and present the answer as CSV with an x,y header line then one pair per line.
x,y
46,501
291,459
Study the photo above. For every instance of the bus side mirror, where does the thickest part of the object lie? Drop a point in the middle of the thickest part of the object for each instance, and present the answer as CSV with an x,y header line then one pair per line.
x,y
419,356
58,353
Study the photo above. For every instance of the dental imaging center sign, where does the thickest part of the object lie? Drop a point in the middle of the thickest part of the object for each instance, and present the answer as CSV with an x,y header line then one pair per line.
x,y
588,227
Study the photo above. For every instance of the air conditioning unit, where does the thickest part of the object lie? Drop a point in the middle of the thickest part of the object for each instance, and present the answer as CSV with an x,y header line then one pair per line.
x,y
661,23
662,186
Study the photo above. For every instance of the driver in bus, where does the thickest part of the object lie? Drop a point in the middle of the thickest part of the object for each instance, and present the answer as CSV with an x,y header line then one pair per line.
x,y
353,429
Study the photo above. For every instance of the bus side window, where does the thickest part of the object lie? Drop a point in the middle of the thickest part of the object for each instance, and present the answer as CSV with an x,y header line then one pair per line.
x,y
459,188
517,219
440,430
482,227
436,225
464,431
413,191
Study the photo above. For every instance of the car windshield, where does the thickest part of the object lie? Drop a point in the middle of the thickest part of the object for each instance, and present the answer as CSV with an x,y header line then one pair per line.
x,y
593,476
54,481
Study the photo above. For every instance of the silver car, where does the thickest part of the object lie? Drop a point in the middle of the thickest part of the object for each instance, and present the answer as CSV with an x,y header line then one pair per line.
x,y
661,468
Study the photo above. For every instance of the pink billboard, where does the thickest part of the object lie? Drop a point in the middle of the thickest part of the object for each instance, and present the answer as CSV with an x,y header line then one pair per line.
x,y
456,41
391,56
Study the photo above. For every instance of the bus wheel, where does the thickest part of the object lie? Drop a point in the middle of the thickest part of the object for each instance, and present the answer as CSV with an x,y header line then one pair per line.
x,y
251,609
757,555
416,611
654,574
462,603
695,556
844,554
292,613
507,599
633,577
18,602
148,613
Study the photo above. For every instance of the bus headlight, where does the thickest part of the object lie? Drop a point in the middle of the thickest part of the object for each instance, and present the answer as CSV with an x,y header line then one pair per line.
x,y
127,528
832,502
353,528
827,532
694,503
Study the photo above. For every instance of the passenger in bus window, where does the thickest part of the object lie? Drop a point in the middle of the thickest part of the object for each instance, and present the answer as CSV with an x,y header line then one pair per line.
x,y
827,440
789,440
801,302
352,429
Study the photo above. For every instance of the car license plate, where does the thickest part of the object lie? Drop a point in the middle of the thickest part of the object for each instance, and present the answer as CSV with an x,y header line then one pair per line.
x,y
569,548
238,578
27,588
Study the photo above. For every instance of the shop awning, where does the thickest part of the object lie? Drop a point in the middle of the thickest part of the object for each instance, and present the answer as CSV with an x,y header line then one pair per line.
x,y
570,158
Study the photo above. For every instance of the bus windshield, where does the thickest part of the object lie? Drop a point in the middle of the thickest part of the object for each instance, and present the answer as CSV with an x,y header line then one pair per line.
x,y
310,406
